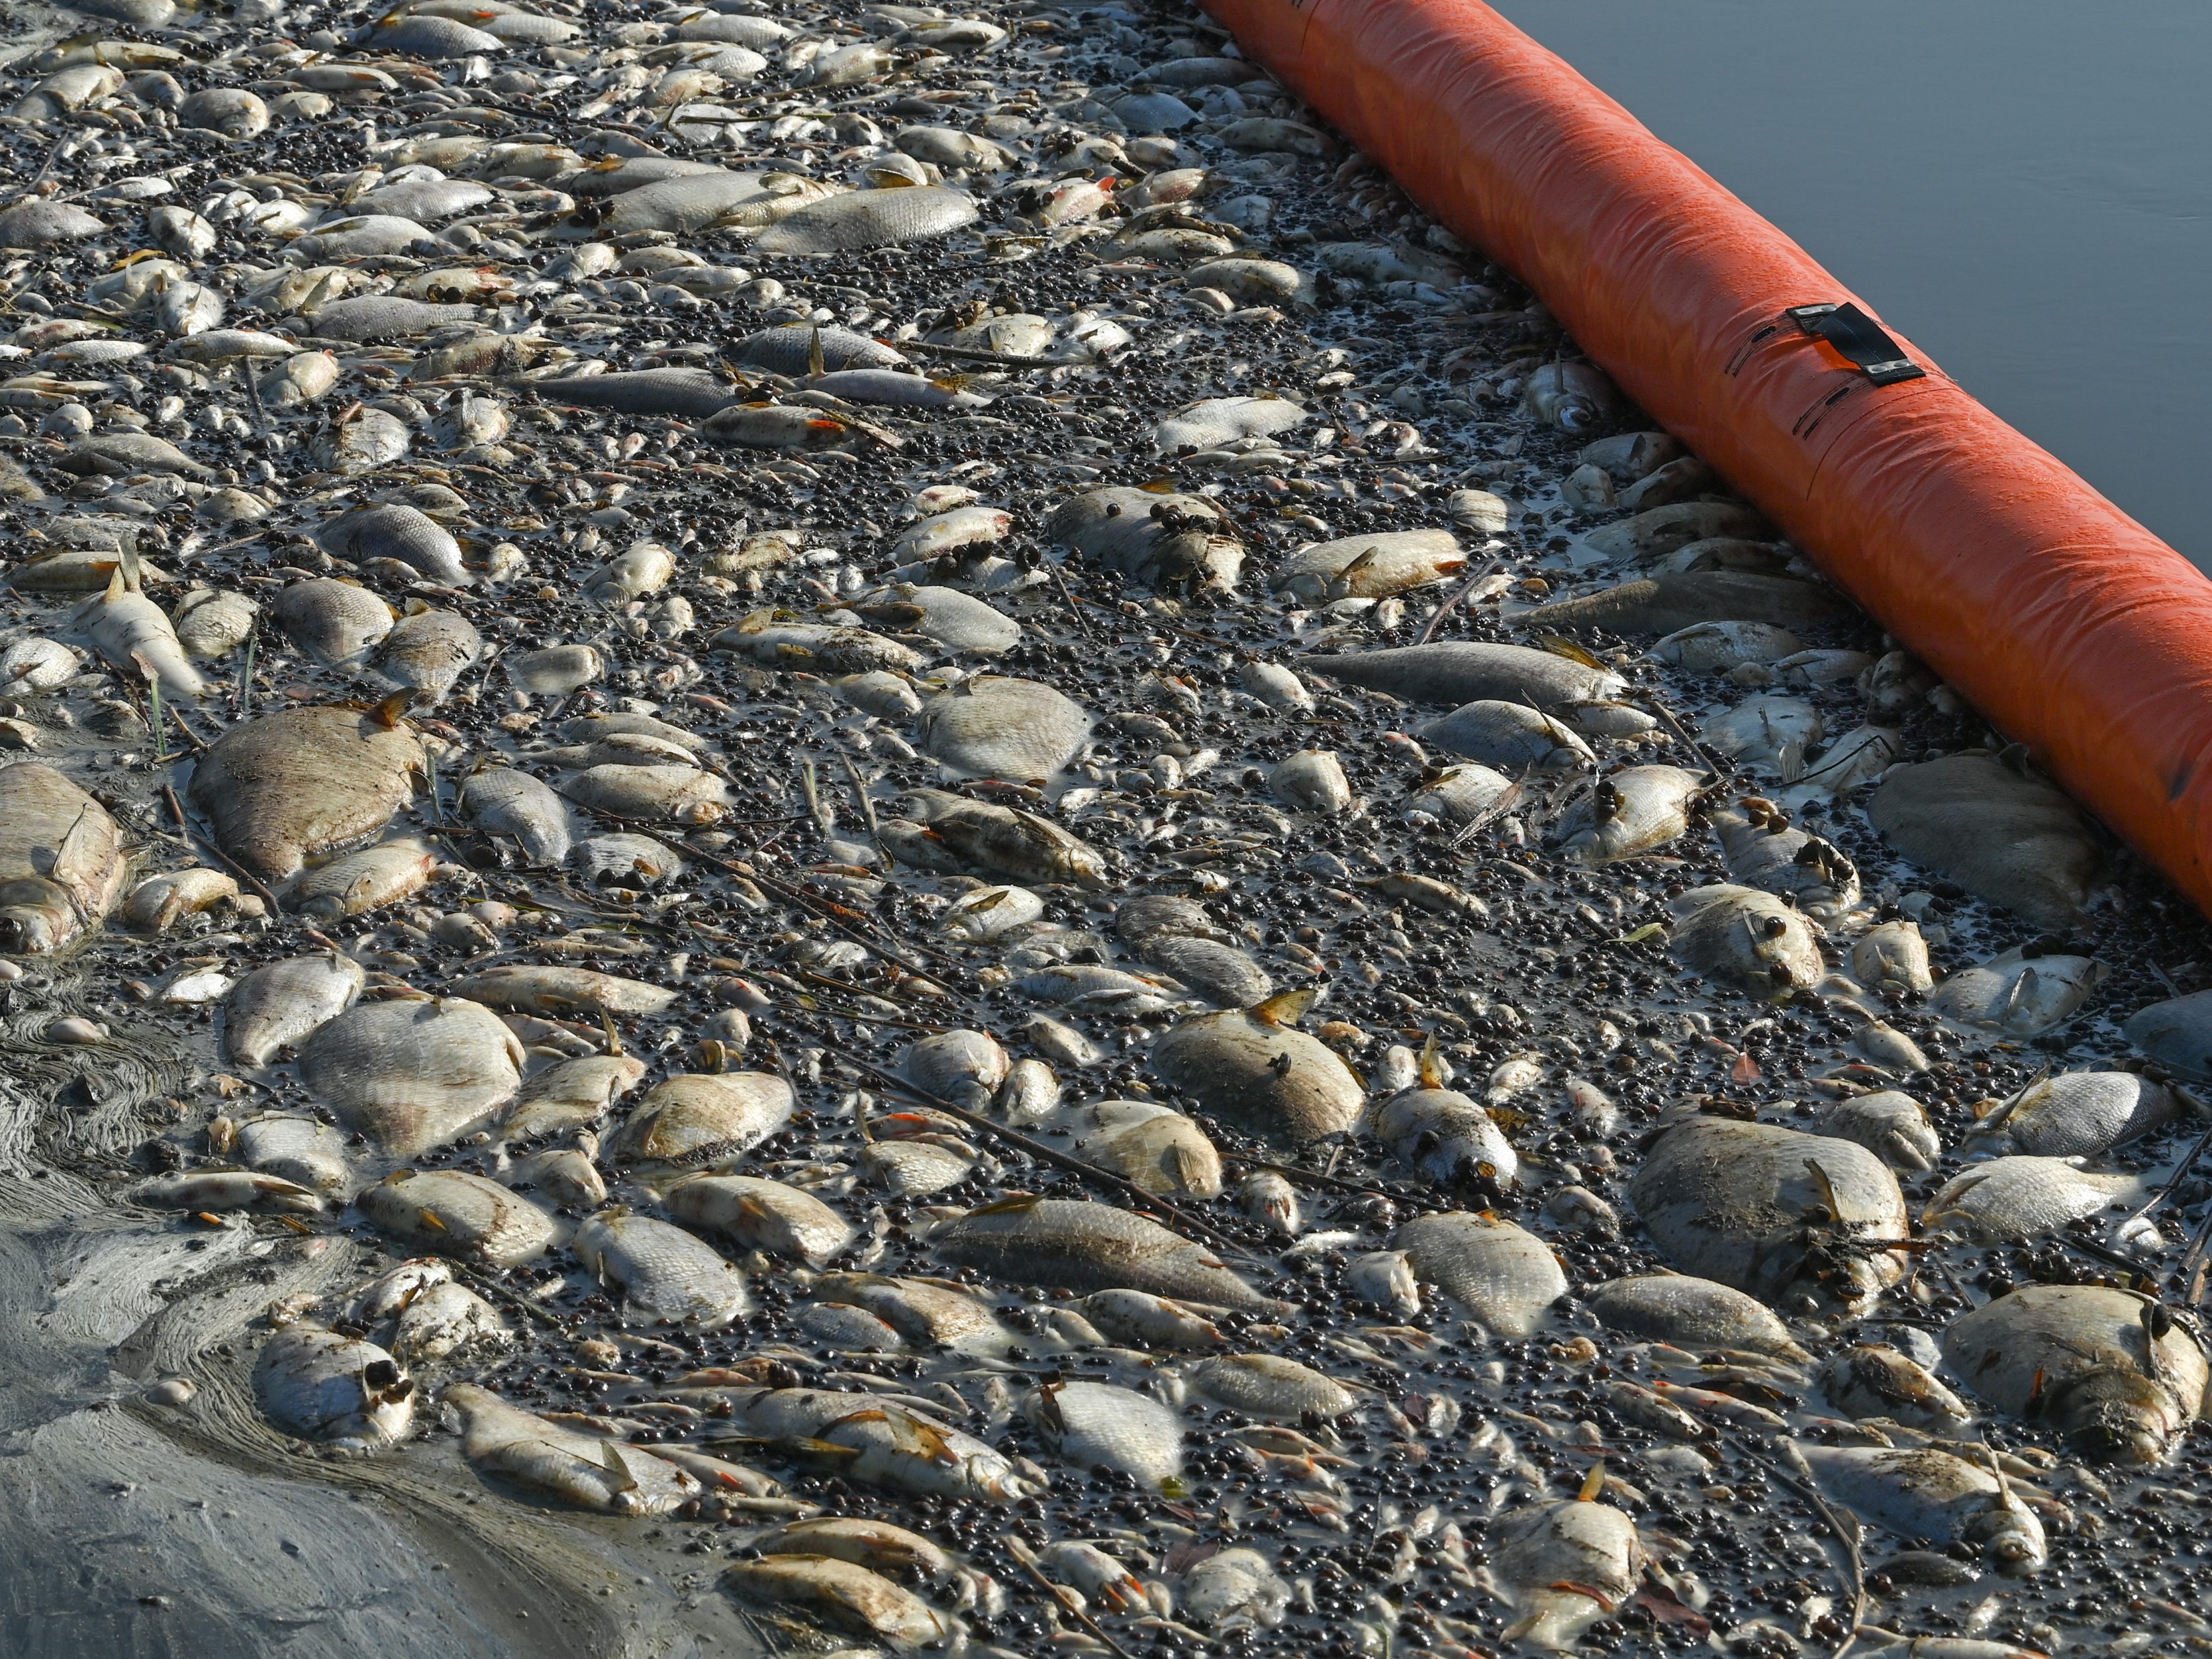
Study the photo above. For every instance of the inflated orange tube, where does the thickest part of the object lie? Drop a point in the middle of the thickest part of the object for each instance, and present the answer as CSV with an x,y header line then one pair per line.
x,y
2068,625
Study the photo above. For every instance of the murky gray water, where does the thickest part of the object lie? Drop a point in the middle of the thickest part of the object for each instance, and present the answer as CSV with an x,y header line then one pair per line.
x,y
2022,191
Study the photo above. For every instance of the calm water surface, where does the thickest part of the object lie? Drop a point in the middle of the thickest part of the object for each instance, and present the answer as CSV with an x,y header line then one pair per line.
x,y
2022,186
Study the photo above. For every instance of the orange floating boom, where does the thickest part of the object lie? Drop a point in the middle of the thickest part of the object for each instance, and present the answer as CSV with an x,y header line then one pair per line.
x,y
2069,626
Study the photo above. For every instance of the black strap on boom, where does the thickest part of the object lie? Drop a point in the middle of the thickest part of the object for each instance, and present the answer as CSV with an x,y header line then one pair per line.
x,y
1859,337
1856,338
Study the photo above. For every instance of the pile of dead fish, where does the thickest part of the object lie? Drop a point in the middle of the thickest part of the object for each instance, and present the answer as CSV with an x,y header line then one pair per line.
x,y
891,801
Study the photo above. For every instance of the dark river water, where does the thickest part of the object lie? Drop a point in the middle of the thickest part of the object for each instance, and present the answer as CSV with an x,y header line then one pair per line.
x,y
2023,187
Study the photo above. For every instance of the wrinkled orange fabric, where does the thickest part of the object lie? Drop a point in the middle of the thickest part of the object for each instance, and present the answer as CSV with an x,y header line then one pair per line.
x,y
2068,625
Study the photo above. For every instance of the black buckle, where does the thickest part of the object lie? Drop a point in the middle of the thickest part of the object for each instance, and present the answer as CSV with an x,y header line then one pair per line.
x,y
1857,337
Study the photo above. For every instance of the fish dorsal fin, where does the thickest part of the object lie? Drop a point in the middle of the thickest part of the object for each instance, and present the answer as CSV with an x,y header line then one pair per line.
x,y
1005,1206
814,351
116,586
1432,1074
1592,1484
1826,1189
1285,1008
612,1461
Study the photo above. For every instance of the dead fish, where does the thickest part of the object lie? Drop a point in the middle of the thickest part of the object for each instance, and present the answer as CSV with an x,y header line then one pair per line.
x,y
2021,1197
336,622
992,725
1003,841
1267,1386
1715,647
1313,781
504,800
1922,1492
157,903
776,639
882,1444
956,621
1444,1135
2023,992
1674,600
664,1272
990,913
791,426
281,1005
1161,1150
444,1320
1793,1219
1462,671
1089,1247
356,883
1505,1278
841,1596
1461,794
573,1095
1630,813
1172,542
427,652
2176,1033
379,531
1691,1313
680,793
625,861
1575,396
1746,941
690,394
697,1121
1095,1425
413,1076
361,439
210,624
137,638
1893,953
459,1215
965,1067
1659,530
525,989
346,1394
869,218
61,860
288,785
1770,733
584,1470
227,1189
1233,1589
1564,1565
2103,1367
1765,851
925,1312
1876,1380
1894,1127
1217,420
2003,834
565,1175
2076,1115
304,1151
762,1215
1257,1070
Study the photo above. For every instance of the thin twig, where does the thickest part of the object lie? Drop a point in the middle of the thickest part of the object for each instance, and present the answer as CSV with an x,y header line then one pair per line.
x,y
1429,632
1074,606
176,811
1844,1526
1064,1599
2167,1188
971,354
644,827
